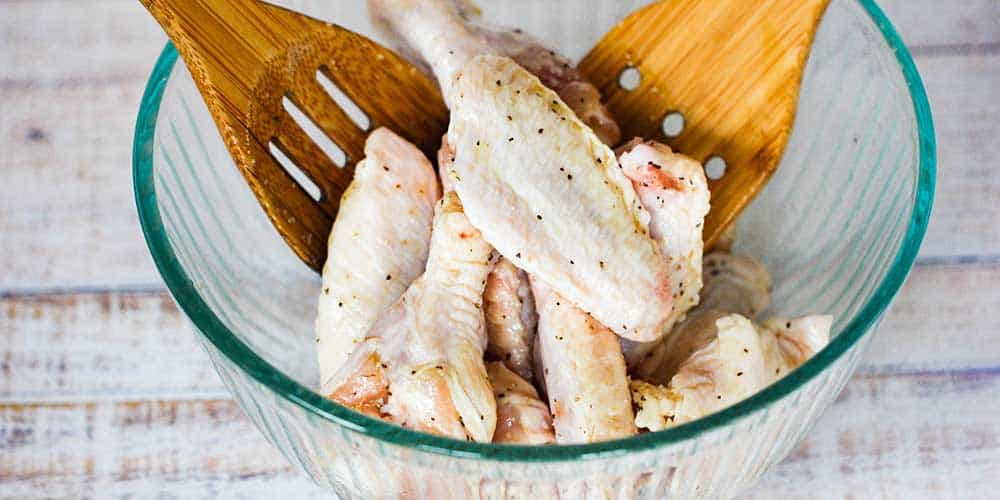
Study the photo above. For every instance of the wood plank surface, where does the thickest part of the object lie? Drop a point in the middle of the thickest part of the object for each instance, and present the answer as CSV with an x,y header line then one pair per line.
x,y
164,449
105,391
915,436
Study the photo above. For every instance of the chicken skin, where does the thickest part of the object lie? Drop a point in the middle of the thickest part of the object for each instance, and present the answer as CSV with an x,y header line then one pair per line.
x,y
732,359
382,229
788,343
446,34
510,318
421,364
733,284
522,417
673,188
728,368
584,372
551,198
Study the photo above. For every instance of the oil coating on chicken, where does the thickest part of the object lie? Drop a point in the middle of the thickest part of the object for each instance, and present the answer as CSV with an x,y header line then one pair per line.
x,y
421,364
370,240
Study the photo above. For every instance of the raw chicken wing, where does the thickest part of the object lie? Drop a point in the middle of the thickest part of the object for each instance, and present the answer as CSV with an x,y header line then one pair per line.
x,y
673,188
551,198
790,342
383,228
584,372
510,318
522,418
422,362
733,284
726,370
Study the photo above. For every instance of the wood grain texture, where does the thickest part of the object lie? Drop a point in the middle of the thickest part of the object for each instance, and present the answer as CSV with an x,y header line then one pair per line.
x,y
176,449
99,346
247,57
732,68
919,436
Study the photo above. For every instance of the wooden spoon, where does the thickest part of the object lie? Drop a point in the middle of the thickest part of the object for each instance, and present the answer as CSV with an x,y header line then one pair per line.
x,y
247,56
731,68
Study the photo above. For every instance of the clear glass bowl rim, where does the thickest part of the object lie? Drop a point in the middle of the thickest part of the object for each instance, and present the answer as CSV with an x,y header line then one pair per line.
x,y
184,293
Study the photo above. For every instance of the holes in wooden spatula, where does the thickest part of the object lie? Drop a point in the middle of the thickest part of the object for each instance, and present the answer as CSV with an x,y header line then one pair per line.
x,y
353,111
331,150
715,167
673,124
630,78
304,181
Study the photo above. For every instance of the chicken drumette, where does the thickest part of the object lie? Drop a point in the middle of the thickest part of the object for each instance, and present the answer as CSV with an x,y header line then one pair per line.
x,y
382,229
421,365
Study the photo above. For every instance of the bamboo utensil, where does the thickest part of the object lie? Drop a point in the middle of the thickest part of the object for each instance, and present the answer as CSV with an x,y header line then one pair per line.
x,y
725,72
247,56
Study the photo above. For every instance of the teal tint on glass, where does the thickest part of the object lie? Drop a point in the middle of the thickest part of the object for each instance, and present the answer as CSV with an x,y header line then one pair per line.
x,y
839,227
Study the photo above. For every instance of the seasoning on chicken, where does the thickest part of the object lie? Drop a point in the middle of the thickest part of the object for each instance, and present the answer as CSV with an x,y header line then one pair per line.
x,y
510,318
733,284
426,351
731,360
673,189
383,228
446,34
726,370
551,198
522,417
584,372
790,342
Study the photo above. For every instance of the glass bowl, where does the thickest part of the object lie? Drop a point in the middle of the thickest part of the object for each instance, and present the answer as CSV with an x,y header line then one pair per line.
x,y
839,227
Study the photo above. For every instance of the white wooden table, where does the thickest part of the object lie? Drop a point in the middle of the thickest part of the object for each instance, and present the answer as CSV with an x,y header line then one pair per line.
x,y
105,393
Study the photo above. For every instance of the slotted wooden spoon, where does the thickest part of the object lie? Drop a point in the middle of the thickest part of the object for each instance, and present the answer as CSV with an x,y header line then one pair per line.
x,y
732,68
246,56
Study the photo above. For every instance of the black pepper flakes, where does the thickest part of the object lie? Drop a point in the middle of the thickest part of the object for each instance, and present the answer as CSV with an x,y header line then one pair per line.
x,y
388,277
541,130
498,83
539,217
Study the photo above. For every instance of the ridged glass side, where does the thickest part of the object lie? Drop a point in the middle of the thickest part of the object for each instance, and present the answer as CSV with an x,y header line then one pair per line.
x,y
837,226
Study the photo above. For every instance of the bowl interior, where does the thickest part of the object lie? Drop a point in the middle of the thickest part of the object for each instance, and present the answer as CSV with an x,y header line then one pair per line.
x,y
838,226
